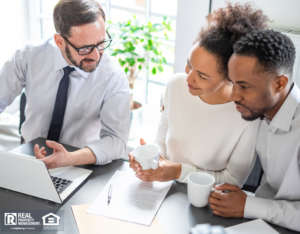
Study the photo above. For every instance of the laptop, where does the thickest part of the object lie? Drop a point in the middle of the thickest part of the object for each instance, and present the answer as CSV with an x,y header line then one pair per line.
x,y
25,174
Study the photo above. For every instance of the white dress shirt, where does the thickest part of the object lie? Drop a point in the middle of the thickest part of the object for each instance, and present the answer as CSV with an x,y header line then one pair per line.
x,y
202,137
98,106
277,200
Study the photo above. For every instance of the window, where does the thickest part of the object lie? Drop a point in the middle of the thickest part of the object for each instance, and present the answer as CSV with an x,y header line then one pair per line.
x,y
148,87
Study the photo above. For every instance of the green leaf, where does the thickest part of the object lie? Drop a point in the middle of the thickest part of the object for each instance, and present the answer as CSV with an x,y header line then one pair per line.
x,y
146,47
150,42
156,52
126,69
129,59
119,51
141,60
169,27
164,60
140,67
130,49
160,68
153,70
121,62
134,54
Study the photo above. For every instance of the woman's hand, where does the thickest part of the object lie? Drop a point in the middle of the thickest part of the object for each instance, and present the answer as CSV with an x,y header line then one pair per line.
x,y
132,163
166,170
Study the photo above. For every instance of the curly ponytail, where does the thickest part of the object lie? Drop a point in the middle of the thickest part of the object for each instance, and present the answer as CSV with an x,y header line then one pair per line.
x,y
225,26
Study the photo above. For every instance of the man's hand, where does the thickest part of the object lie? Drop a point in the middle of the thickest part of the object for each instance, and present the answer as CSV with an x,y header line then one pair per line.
x,y
230,204
60,157
166,170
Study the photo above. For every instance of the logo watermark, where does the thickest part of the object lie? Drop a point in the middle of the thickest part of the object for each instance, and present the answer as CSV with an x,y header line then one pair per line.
x,y
10,218
32,220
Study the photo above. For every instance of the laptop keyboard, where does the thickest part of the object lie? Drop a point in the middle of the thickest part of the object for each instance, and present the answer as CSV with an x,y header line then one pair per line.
x,y
61,184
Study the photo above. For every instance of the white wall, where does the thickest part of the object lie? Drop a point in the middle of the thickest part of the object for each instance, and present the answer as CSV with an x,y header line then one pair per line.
x,y
283,12
190,17
13,27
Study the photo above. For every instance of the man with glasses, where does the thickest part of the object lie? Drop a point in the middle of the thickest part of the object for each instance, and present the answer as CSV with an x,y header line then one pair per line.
x,y
76,93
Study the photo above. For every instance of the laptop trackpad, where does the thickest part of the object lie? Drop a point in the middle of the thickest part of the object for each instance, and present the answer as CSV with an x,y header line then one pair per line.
x,y
70,173
57,171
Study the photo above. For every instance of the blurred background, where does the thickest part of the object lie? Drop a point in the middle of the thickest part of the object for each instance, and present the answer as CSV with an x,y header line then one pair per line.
x,y
31,20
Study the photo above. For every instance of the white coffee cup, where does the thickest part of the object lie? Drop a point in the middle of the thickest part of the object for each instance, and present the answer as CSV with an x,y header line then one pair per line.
x,y
199,188
147,156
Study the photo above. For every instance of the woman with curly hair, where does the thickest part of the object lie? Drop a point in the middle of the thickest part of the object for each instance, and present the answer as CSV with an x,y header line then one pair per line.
x,y
200,128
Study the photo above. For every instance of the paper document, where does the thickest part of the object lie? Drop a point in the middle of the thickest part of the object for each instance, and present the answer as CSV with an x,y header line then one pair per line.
x,y
95,224
132,200
257,226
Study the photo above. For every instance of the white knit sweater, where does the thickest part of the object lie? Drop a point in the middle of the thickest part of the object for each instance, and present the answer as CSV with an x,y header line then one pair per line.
x,y
202,137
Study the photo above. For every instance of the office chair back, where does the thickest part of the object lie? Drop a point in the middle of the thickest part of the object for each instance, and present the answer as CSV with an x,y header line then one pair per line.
x,y
22,113
253,181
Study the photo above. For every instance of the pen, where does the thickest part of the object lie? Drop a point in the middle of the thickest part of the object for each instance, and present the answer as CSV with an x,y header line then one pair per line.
x,y
109,194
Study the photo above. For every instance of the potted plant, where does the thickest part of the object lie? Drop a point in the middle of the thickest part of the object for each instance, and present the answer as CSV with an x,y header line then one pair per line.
x,y
135,45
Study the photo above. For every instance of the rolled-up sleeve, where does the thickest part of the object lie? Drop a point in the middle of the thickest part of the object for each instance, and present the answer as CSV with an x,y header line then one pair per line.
x,y
115,119
12,78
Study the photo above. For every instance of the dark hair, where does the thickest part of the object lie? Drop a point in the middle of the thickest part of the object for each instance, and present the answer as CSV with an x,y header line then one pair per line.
x,y
273,50
225,26
68,13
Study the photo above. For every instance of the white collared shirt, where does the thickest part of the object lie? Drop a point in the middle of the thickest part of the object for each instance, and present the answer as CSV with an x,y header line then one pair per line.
x,y
278,146
98,106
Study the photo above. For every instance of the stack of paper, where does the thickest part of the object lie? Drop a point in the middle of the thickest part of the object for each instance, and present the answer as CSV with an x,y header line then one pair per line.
x,y
132,200
257,226
95,224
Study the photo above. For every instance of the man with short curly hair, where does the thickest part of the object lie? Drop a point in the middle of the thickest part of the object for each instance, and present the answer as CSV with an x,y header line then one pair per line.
x,y
261,70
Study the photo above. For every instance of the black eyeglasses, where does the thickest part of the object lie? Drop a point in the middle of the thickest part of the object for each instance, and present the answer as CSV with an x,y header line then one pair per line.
x,y
89,49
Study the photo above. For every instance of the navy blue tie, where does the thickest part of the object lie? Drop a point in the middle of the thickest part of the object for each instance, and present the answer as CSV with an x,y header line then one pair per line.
x,y
60,106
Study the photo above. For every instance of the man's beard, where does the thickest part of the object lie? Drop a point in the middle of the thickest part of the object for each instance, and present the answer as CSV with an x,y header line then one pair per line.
x,y
80,65
260,110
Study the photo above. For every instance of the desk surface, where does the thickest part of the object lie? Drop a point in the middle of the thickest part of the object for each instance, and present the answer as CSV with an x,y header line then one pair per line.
x,y
176,214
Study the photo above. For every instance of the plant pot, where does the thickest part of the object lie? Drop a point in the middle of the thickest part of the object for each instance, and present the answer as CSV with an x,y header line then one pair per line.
x,y
136,120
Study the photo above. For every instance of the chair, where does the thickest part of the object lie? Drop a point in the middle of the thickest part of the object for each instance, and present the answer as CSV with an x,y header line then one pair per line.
x,y
22,113
253,181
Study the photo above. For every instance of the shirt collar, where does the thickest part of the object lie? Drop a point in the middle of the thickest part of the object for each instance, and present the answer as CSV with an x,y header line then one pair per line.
x,y
283,118
60,63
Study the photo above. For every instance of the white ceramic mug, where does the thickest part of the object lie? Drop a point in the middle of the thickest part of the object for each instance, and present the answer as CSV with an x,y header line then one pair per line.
x,y
147,156
199,188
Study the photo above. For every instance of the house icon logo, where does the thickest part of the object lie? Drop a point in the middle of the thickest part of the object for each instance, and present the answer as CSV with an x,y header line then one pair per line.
x,y
51,219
